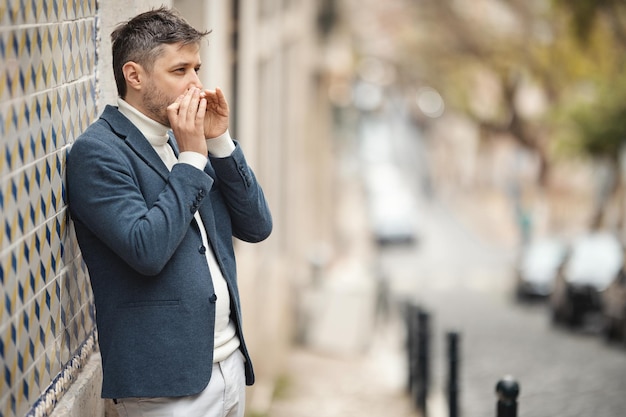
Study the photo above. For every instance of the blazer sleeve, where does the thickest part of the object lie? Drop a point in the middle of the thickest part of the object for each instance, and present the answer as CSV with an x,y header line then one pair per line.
x,y
107,192
249,212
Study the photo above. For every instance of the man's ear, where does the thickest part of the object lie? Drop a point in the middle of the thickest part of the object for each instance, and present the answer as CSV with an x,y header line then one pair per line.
x,y
133,73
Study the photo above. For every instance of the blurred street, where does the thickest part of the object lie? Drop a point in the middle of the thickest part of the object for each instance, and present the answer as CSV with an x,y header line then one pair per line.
x,y
461,271
437,107
466,284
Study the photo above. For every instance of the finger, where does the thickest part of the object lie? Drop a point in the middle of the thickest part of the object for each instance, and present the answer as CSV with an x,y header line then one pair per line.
x,y
210,96
194,100
219,94
221,99
201,111
187,108
184,103
172,109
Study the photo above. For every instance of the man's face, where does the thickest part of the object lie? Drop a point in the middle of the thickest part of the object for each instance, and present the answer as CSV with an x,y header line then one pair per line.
x,y
173,73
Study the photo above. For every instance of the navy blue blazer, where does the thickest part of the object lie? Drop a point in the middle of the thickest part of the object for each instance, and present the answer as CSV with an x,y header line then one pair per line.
x,y
154,297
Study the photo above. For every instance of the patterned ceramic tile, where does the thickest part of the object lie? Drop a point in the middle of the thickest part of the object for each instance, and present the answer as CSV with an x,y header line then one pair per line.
x,y
35,127
35,58
17,12
47,98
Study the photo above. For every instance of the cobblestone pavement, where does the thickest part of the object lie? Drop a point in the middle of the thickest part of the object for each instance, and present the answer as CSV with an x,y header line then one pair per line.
x,y
466,284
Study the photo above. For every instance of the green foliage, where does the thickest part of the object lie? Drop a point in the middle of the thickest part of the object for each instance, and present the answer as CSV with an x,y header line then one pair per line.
x,y
575,51
583,15
591,106
601,125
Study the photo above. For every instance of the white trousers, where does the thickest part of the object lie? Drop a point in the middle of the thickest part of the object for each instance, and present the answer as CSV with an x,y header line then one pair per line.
x,y
225,396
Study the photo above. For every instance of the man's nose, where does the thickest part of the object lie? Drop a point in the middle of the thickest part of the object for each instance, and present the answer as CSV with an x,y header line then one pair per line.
x,y
195,81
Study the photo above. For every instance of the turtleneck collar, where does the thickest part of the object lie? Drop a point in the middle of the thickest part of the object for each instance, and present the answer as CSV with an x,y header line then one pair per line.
x,y
155,132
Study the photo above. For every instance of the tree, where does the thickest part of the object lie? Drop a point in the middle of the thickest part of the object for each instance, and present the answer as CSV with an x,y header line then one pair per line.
x,y
523,44
599,124
586,14
570,50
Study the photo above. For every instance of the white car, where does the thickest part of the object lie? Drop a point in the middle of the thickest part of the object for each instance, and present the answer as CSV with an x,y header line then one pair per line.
x,y
392,220
538,267
391,205
593,263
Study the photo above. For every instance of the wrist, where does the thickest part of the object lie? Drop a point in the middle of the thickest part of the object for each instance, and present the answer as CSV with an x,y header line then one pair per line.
x,y
193,158
221,146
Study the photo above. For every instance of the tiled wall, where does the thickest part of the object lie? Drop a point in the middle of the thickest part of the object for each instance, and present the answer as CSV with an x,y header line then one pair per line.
x,y
47,98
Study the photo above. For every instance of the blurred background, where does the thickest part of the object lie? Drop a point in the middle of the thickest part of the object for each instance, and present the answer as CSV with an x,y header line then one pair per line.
x,y
462,157
486,141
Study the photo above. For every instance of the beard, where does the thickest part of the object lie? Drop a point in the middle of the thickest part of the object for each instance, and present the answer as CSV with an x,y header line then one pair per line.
x,y
155,101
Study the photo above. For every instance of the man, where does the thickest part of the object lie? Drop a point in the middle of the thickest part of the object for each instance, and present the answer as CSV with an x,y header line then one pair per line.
x,y
157,189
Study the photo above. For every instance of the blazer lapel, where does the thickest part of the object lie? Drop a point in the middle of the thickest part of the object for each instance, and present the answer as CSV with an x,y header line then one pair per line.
x,y
173,143
135,140
145,151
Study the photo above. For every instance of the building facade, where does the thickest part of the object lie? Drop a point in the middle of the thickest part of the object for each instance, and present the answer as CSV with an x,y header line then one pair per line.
x,y
55,79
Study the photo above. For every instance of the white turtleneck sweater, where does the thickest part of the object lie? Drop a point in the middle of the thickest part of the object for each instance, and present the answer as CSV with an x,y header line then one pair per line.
x,y
225,338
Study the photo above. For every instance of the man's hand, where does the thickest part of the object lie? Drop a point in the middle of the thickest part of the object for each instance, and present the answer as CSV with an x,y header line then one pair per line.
x,y
186,116
217,113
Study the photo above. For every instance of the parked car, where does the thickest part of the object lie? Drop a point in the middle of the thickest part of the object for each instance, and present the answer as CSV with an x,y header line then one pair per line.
x,y
614,308
592,264
391,206
392,221
538,266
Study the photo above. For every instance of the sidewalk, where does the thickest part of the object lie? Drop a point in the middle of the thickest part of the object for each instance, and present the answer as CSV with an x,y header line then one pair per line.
x,y
365,383
352,361
354,365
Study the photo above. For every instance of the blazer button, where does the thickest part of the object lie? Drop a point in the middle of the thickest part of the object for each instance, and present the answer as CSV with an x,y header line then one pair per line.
x,y
213,298
202,249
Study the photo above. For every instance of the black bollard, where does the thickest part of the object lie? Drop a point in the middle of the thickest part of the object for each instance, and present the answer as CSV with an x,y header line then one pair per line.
x,y
453,375
423,360
507,390
418,353
410,316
